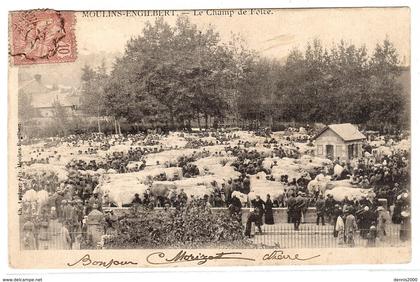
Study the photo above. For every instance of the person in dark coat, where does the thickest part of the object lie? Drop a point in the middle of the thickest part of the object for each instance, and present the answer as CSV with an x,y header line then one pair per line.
x,y
291,202
405,226
136,202
297,210
329,208
320,210
246,185
252,218
258,204
367,218
235,208
268,219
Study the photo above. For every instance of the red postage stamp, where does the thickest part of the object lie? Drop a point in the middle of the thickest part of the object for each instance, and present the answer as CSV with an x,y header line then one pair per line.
x,y
42,36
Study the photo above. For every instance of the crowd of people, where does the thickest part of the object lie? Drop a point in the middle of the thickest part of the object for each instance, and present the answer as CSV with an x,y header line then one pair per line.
x,y
70,201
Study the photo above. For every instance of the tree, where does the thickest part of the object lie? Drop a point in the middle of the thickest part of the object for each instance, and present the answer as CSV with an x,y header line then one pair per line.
x,y
342,84
385,92
60,125
93,83
25,109
172,73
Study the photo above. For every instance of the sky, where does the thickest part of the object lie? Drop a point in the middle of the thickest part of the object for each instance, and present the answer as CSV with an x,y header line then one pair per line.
x,y
272,35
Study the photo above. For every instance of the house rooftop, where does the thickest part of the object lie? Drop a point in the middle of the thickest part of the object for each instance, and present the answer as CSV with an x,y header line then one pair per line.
x,y
47,100
346,131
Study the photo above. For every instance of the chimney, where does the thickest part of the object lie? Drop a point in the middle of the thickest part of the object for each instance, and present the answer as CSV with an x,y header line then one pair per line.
x,y
37,77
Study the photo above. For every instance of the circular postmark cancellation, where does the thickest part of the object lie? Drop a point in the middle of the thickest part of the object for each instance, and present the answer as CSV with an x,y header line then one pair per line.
x,y
42,36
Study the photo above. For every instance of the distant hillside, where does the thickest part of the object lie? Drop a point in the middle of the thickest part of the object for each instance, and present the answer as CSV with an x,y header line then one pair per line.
x,y
66,73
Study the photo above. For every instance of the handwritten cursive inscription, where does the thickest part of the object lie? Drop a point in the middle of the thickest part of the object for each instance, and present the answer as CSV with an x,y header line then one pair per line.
x,y
280,255
183,256
86,261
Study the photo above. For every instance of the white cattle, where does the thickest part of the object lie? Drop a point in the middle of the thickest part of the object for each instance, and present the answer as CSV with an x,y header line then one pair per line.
x,y
403,145
153,171
340,183
292,170
59,170
315,160
120,189
214,165
377,143
338,169
173,140
198,191
320,184
261,187
30,196
339,193
162,188
167,156
42,197
383,151
242,197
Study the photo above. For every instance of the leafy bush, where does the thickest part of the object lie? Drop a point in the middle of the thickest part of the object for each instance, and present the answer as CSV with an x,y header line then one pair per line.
x,y
190,227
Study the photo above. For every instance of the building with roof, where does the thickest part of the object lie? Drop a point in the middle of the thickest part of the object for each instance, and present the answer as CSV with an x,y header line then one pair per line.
x,y
44,98
339,141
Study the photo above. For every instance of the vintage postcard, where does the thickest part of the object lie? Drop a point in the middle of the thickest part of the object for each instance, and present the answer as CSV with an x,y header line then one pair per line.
x,y
174,138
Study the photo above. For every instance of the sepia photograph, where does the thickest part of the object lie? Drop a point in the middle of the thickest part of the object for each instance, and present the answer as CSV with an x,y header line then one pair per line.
x,y
259,134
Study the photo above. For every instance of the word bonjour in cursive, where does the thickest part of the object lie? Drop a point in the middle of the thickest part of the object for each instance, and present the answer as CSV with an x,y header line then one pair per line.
x,y
280,255
183,256
86,261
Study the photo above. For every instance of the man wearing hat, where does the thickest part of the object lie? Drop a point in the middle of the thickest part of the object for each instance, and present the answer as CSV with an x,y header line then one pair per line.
x,y
59,204
329,207
366,219
350,227
62,208
258,204
68,212
297,210
364,202
320,210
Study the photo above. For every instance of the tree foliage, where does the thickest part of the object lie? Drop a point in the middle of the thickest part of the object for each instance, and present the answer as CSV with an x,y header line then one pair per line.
x,y
172,75
194,226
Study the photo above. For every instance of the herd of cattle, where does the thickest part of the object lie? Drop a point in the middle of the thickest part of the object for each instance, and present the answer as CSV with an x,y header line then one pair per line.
x,y
211,155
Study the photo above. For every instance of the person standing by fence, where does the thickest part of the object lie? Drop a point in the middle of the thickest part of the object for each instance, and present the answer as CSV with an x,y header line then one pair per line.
x,y
297,210
65,239
384,220
269,219
235,208
29,236
258,204
350,227
291,202
329,208
405,226
339,229
320,210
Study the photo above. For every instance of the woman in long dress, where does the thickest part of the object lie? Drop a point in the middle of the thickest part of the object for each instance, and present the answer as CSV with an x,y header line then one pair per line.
x,y
269,219
29,242
339,229
384,220
65,238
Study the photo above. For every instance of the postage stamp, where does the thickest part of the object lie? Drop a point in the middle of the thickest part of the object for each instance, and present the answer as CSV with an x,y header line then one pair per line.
x,y
254,137
42,36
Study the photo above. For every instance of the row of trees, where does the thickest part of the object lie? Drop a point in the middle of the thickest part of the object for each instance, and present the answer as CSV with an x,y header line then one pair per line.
x,y
176,75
